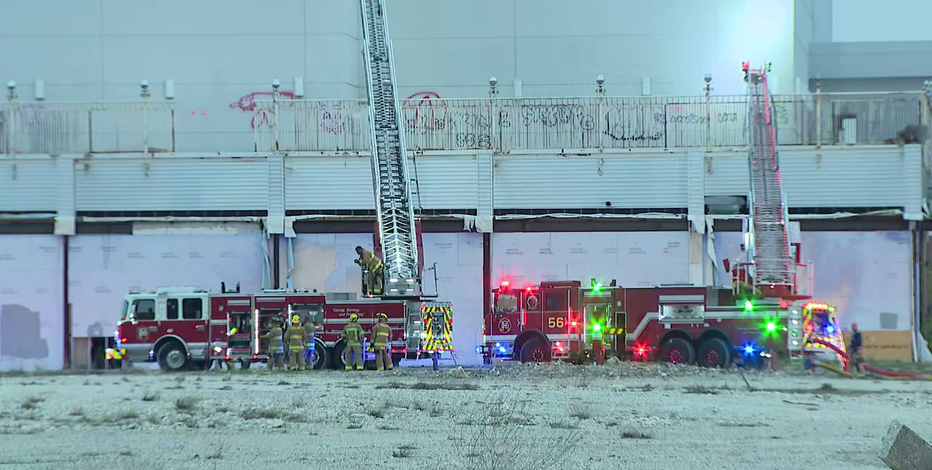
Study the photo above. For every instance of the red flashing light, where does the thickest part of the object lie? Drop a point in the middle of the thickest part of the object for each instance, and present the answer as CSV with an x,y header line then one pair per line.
x,y
505,283
228,358
255,356
393,350
123,340
641,351
784,304
574,323
405,350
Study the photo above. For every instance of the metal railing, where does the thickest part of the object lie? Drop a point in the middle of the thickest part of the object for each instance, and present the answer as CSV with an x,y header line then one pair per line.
x,y
504,124
86,127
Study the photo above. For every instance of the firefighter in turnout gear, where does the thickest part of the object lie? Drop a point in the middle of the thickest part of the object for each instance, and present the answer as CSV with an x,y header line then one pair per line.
x,y
373,264
276,347
297,343
310,329
381,334
352,337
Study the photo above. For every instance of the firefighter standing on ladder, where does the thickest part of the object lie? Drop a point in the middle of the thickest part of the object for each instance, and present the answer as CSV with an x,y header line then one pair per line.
x,y
381,333
373,264
353,336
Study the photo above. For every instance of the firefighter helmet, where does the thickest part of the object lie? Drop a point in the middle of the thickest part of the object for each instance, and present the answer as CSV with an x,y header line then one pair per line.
x,y
296,319
353,317
383,316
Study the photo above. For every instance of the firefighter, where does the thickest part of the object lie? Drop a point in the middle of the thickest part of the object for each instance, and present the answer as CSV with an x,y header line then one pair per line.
x,y
275,345
855,360
374,265
296,338
381,334
310,328
352,337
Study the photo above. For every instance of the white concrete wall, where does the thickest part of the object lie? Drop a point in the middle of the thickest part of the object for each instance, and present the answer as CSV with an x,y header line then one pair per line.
x,y
104,268
221,52
870,20
31,310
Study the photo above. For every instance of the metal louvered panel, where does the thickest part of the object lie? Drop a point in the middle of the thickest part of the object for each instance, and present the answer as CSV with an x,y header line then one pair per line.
x,y
328,183
448,182
276,193
27,184
652,180
695,189
177,184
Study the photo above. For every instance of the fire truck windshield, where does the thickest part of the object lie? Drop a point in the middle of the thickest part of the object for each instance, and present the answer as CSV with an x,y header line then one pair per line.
x,y
125,310
506,303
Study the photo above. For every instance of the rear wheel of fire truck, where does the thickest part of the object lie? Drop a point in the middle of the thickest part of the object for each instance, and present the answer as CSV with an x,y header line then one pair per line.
x,y
321,356
713,352
336,361
678,351
535,350
173,357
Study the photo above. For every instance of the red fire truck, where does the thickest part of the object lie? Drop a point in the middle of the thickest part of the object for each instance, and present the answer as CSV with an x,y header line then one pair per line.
x,y
182,327
680,324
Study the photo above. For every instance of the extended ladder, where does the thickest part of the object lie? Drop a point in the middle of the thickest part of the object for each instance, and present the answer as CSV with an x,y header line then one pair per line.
x,y
396,222
773,267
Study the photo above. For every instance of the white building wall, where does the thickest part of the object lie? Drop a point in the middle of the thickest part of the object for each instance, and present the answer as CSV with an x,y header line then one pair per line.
x,y
222,54
31,307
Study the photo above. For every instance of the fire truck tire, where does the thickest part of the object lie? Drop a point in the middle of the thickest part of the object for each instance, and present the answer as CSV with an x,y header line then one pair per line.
x,y
535,350
321,356
678,351
336,360
244,364
173,357
713,352
396,358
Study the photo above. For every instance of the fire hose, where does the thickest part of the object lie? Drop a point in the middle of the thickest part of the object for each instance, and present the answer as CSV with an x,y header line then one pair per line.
x,y
892,375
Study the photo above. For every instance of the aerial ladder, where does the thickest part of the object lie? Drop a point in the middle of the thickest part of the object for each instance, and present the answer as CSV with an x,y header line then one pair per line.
x,y
397,228
771,270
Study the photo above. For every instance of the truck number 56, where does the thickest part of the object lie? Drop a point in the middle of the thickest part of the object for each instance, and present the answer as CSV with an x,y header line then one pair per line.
x,y
556,322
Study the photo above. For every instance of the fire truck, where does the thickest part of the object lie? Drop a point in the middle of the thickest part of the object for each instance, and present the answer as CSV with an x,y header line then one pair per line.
x,y
183,327
711,326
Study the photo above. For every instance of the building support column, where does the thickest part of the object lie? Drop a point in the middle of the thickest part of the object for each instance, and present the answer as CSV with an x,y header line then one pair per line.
x,y
695,213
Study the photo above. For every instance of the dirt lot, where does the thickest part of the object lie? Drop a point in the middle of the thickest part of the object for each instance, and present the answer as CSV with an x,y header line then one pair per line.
x,y
551,416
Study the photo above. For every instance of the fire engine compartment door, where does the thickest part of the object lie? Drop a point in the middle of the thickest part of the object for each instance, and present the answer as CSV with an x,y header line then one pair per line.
x,y
596,314
682,313
506,313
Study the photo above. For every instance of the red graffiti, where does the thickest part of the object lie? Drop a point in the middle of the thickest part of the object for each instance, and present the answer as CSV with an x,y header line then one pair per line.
x,y
332,118
248,104
423,111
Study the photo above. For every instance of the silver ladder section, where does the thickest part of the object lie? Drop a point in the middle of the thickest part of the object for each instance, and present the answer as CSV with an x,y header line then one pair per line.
x,y
771,256
389,159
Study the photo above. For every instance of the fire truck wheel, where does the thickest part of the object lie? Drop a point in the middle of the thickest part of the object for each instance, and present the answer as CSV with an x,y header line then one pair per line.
x,y
678,351
337,361
713,352
244,364
172,357
535,350
321,356
396,358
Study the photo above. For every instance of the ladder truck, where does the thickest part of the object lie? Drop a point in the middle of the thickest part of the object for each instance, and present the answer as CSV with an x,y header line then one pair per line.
x,y
711,326
397,232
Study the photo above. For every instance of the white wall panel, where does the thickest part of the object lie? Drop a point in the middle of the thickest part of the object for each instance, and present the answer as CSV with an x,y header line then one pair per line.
x,y
31,311
28,185
104,268
328,183
631,258
325,261
865,274
646,180
448,182
172,184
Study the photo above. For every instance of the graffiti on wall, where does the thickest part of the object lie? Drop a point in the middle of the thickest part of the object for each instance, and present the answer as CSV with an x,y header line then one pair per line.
x,y
247,103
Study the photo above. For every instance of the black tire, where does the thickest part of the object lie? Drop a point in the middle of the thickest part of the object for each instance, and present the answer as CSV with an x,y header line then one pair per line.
x,y
713,352
336,362
396,358
173,357
321,356
244,364
678,351
535,350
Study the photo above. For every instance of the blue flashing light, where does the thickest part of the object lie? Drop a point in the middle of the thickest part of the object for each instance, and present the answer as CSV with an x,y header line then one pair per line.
x,y
830,329
498,345
478,349
501,349
749,349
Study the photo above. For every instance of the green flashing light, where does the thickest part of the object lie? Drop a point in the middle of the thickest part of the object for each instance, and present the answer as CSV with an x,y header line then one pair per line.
x,y
596,327
771,326
748,305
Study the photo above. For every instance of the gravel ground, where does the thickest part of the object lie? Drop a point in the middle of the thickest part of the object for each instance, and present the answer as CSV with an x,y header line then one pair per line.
x,y
626,415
